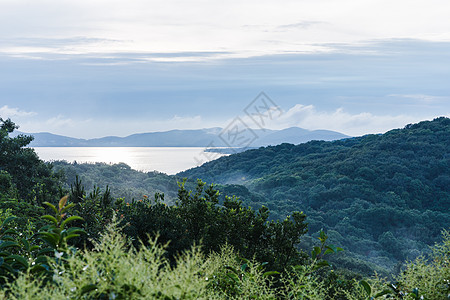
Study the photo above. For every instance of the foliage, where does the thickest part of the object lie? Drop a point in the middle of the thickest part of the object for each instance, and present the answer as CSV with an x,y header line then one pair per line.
x,y
429,277
384,197
198,218
24,252
210,246
304,281
123,181
57,234
95,209
423,278
30,177
115,269
237,278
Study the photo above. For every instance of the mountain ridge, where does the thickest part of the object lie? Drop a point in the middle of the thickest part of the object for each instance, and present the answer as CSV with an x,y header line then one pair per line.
x,y
207,137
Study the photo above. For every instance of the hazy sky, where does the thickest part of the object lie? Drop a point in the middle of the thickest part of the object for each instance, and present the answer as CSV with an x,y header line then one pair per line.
x,y
95,68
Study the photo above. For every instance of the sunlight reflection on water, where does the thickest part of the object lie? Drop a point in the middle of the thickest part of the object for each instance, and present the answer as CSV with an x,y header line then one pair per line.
x,y
169,160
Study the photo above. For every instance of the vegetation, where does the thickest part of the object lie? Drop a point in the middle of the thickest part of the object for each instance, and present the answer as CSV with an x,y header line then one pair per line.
x,y
91,245
122,181
21,170
384,198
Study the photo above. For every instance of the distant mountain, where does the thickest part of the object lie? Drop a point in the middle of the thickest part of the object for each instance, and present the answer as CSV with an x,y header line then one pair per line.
x,y
296,135
186,138
46,139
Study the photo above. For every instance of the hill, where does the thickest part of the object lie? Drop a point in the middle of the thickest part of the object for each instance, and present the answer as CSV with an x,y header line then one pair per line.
x,y
384,197
184,138
123,181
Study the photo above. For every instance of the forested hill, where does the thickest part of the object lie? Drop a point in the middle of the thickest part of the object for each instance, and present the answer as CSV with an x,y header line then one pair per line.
x,y
381,196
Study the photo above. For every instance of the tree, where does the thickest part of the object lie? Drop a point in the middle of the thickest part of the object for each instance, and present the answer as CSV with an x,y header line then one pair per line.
x,y
32,177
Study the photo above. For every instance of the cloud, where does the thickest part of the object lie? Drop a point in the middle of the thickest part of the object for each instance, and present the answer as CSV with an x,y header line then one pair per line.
x,y
61,121
59,124
9,112
213,25
303,116
176,122
95,128
308,117
420,97
298,25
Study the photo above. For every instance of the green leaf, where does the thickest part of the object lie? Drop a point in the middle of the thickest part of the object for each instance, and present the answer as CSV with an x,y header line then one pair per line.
x,y
70,219
315,253
8,244
45,250
271,273
261,266
366,287
323,237
332,249
69,206
87,288
8,238
243,267
71,236
10,231
382,293
233,276
37,269
20,259
52,207
8,220
35,247
41,259
74,230
322,234
7,267
26,244
328,251
232,269
321,264
298,267
50,238
243,260
51,219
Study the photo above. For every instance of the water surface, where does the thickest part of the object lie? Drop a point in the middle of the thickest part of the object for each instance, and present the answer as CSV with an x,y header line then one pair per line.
x,y
169,160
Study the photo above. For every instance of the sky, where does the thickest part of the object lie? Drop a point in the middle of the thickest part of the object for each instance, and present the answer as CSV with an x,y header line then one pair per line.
x,y
98,68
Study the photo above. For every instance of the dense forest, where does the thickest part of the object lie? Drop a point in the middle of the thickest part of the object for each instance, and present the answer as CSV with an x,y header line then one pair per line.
x,y
384,198
75,231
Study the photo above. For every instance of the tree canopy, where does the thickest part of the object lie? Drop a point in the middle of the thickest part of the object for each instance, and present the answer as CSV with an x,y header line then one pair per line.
x,y
371,193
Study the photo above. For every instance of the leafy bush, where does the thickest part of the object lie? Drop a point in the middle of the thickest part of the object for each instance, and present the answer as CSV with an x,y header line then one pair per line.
x,y
429,276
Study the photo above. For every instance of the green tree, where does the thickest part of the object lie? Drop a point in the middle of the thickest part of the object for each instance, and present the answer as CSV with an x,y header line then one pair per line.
x,y
32,177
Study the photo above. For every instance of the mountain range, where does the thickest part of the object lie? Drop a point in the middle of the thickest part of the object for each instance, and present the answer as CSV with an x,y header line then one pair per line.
x,y
210,137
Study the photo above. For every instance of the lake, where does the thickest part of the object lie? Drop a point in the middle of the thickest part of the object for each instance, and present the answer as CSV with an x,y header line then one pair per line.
x,y
169,160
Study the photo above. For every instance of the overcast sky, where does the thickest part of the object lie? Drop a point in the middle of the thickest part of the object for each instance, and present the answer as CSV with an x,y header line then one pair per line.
x,y
96,68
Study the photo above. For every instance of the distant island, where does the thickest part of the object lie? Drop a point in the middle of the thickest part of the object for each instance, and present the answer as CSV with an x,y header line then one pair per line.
x,y
210,138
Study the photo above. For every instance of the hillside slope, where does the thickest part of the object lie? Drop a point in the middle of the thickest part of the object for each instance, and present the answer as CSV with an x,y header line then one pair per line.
x,y
383,197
